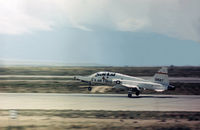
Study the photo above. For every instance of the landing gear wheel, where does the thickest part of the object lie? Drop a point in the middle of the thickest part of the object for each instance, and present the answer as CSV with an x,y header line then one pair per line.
x,y
137,93
89,88
129,95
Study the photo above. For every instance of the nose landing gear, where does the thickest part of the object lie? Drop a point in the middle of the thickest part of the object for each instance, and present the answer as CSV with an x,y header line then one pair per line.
x,y
89,88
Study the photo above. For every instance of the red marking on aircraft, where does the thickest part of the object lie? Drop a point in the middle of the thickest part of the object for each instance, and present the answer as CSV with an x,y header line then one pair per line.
x,y
161,73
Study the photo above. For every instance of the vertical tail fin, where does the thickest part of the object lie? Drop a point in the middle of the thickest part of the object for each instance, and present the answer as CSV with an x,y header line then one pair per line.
x,y
162,76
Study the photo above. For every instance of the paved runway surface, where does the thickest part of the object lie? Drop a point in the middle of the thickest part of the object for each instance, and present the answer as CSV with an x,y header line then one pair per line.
x,y
99,102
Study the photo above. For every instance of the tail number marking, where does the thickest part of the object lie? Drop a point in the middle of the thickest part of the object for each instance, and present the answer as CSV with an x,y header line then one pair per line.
x,y
158,79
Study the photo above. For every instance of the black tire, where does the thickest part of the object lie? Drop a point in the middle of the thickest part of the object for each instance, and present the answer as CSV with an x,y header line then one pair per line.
x,y
129,95
137,93
89,88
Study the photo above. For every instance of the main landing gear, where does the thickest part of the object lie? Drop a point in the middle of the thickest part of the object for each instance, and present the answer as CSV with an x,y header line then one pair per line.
x,y
130,95
137,93
131,90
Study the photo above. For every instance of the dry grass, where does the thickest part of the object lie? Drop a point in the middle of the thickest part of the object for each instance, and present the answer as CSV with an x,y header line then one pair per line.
x,y
69,119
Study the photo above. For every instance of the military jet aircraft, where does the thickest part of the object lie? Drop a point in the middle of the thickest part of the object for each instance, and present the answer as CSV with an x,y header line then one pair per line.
x,y
159,82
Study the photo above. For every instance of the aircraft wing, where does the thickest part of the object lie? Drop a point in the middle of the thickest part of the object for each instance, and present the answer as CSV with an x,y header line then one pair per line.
x,y
140,84
126,83
130,85
159,90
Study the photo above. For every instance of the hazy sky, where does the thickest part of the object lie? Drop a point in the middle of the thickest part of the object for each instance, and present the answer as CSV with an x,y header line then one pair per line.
x,y
107,32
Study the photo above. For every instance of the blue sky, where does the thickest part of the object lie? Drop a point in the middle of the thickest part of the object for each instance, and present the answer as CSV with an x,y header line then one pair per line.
x,y
153,33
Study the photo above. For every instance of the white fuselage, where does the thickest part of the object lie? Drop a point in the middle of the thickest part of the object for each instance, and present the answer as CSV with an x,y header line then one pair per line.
x,y
159,82
111,78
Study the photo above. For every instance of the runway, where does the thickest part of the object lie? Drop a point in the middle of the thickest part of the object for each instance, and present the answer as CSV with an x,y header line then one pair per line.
x,y
49,101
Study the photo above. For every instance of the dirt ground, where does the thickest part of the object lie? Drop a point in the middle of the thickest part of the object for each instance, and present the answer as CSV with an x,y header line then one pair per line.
x,y
51,120
52,123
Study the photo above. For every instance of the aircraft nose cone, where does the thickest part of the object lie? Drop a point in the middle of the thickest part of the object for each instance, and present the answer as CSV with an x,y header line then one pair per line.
x,y
76,78
170,87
